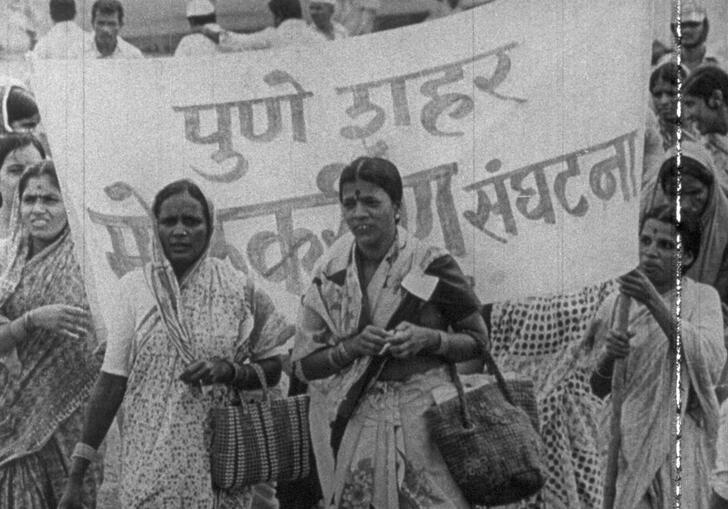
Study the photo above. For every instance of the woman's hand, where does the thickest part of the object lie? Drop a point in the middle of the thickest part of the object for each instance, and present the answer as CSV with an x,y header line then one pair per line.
x,y
637,285
370,341
617,344
207,372
408,340
70,321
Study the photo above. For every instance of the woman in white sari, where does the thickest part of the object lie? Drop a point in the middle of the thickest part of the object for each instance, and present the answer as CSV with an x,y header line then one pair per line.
x,y
645,446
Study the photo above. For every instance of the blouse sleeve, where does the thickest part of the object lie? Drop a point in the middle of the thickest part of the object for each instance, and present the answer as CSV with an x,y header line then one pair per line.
x,y
121,327
271,331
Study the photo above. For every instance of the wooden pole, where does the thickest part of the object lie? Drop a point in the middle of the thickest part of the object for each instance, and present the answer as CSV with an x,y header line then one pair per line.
x,y
610,485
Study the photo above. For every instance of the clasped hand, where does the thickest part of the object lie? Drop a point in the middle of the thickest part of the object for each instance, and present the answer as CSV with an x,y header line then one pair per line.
x,y
207,372
405,341
617,343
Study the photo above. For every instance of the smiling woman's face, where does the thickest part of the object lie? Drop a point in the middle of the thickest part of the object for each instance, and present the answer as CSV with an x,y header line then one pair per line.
x,y
369,213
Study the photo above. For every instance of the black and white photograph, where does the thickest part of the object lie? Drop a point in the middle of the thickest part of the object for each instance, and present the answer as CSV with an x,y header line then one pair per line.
x,y
363,254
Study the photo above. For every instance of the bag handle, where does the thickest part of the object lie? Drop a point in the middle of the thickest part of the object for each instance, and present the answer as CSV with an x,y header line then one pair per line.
x,y
261,377
493,370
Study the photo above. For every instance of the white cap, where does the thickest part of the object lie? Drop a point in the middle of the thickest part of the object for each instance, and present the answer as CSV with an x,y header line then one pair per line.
x,y
692,11
199,8
330,2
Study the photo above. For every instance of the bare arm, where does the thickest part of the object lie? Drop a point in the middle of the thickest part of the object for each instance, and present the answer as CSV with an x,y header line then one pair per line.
x,y
107,395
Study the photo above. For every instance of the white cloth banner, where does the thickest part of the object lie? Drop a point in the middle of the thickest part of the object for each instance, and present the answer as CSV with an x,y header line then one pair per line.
x,y
517,127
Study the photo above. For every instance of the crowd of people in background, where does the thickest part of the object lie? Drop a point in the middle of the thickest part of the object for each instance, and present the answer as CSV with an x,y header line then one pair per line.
x,y
190,329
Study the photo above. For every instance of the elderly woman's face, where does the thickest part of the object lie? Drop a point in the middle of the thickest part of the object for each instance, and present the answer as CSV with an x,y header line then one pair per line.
x,y
41,208
182,230
12,168
369,213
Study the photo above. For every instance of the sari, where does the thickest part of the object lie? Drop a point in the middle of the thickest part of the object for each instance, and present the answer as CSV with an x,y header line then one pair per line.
x,y
646,456
45,381
711,265
214,310
384,458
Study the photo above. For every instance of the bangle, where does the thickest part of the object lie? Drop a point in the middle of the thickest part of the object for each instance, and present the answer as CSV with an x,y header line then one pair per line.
x,y
86,452
444,345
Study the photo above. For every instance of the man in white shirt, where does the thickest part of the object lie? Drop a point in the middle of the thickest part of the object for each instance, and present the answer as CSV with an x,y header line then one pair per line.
x,y
65,39
107,18
321,12
200,13
289,28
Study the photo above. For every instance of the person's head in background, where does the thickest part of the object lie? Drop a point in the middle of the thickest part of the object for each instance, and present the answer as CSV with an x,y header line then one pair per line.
x,y
705,97
19,110
283,10
17,152
107,18
200,13
663,89
321,12
694,25
62,10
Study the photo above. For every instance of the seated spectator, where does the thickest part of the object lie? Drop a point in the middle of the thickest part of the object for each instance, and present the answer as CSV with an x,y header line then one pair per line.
x,y
645,445
199,14
65,40
706,105
107,19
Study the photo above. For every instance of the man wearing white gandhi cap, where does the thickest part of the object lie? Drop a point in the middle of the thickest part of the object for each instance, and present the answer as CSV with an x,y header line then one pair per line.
x,y
694,27
200,13
321,12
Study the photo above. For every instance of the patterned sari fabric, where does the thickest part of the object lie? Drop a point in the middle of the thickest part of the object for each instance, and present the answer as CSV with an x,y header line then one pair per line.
x,y
646,461
44,382
166,435
385,459
540,338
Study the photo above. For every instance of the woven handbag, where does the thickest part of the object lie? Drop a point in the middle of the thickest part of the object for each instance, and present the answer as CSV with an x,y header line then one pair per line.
x,y
489,440
260,441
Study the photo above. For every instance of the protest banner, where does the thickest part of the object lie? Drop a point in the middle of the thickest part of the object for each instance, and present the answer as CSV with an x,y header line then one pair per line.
x,y
518,134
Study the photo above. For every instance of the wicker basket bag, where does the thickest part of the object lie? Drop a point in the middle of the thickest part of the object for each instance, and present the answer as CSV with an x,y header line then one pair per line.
x,y
260,441
489,440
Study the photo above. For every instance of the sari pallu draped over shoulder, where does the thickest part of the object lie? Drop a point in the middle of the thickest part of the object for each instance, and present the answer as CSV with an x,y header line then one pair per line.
x,y
213,311
48,376
711,265
334,308
646,461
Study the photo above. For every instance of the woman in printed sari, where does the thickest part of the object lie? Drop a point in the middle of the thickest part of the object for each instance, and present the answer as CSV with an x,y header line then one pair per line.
x,y
384,316
645,444
701,198
47,367
183,305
